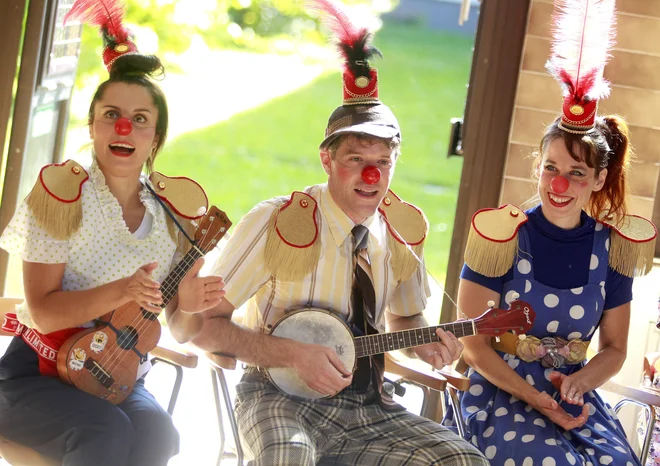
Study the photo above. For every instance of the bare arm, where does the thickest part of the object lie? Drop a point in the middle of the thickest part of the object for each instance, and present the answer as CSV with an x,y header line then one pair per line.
x,y
213,331
440,354
480,355
52,309
612,350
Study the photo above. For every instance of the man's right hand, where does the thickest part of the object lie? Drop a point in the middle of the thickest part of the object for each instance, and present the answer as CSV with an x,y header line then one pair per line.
x,y
546,405
321,369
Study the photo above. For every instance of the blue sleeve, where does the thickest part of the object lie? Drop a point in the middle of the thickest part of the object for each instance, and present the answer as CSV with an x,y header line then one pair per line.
x,y
496,284
618,289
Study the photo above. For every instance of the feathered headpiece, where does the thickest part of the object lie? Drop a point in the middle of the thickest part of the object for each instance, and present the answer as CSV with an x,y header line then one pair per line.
x,y
108,16
582,37
354,44
361,110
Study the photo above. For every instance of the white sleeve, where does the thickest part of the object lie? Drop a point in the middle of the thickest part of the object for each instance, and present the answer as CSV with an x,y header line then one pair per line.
x,y
26,238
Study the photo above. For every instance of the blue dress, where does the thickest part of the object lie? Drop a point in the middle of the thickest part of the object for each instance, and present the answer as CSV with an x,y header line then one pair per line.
x,y
509,431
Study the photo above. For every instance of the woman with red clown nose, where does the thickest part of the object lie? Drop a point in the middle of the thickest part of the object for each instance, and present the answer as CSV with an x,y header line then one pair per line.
x,y
572,257
92,239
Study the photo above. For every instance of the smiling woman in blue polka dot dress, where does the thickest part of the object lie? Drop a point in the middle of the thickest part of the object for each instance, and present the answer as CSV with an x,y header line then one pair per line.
x,y
532,400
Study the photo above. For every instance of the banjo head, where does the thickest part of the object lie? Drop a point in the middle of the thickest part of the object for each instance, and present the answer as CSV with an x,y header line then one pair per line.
x,y
313,326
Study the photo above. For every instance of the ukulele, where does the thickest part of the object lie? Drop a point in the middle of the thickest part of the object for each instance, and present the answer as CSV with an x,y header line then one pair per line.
x,y
104,360
322,327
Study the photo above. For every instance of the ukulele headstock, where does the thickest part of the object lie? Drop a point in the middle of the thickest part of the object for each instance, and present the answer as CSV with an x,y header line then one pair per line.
x,y
518,319
212,227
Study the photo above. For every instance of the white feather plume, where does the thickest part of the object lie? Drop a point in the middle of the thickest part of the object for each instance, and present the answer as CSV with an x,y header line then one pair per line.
x,y
583,35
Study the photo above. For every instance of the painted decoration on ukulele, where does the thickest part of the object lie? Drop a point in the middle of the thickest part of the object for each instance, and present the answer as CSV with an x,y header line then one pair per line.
x,y
98,342
77,361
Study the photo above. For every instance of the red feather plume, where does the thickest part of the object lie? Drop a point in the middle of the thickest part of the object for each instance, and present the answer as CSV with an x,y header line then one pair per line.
x,y
106,14
583,35
337,19
353,41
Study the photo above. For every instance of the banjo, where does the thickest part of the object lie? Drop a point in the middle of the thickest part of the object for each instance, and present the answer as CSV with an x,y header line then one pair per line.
x,y
322,327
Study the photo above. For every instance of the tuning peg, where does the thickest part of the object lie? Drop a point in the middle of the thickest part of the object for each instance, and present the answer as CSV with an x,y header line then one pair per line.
x,y
491,304
497,339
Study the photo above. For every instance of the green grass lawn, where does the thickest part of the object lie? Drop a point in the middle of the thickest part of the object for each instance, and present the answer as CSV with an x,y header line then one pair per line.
x,y
273,150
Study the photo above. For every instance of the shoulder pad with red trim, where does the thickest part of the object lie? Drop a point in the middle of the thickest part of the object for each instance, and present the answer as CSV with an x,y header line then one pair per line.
x,y
63,181
632,244
492,242
405,222
632,228
184,195
498,225
295,222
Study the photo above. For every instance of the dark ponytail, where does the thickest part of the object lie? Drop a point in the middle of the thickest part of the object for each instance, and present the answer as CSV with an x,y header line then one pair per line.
x,y
611,199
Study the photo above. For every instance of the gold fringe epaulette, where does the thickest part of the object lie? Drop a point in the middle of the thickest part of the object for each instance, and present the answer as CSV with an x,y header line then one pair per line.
x,y
632,245
185,196
55,198
292,250
188,201
493,240
408,228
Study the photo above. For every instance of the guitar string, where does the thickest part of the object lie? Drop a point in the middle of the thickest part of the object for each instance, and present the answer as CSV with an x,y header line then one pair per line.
x,y
379,342
411,251
140,322
182,231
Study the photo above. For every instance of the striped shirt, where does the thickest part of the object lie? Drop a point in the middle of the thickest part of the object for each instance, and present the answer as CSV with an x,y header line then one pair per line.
x,y
329,285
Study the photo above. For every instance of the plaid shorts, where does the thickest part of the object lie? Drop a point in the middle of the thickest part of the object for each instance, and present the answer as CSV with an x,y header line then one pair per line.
x,y
347,429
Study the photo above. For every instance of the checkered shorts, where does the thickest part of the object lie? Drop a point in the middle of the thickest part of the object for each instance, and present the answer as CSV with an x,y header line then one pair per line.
x,y
348,429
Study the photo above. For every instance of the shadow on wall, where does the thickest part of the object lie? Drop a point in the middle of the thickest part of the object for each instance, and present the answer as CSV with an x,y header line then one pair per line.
x,y
436,14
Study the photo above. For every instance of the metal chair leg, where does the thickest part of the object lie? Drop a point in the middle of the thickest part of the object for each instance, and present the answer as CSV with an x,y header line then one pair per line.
x,y
218,410
177,383
218,375
230,415
648,436
456,406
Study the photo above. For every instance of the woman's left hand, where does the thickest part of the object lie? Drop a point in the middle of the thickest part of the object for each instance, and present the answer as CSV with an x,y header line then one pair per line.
x,y
570,388
197,294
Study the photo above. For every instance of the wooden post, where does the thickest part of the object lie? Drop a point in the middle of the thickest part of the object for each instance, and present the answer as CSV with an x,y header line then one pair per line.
x,y
488,114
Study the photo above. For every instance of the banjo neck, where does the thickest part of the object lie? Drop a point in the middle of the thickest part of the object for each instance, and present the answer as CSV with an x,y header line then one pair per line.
x,y
323,327
378,343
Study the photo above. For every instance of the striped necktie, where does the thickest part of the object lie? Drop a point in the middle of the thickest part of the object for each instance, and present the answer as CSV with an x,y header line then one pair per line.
x,y
363,300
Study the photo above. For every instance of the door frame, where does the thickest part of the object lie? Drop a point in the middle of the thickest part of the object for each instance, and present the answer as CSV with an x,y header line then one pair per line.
x,y
498,50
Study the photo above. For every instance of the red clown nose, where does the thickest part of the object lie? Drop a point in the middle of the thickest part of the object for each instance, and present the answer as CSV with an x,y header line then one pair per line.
x,y
123,126
371,175
559,184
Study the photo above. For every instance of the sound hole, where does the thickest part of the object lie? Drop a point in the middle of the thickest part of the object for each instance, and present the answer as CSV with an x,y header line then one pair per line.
x,y
127,338
149,315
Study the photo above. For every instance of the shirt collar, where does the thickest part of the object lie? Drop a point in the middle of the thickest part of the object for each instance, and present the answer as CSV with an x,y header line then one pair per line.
x,y
341,225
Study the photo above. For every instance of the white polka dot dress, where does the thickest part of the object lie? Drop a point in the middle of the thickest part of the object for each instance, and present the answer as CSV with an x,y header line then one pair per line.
x,y
510,432
102,250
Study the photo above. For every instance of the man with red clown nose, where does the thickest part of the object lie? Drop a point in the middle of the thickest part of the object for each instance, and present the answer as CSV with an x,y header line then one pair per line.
x,y
350,247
